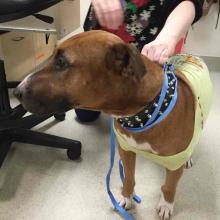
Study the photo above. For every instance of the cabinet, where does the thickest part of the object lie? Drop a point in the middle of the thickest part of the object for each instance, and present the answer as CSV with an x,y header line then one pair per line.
x,y
23,52
27,46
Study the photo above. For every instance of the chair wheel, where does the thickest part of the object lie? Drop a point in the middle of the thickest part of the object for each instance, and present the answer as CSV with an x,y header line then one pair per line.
x,y
60,116
74,154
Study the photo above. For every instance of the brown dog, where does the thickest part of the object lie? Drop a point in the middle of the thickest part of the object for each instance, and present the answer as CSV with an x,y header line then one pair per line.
x,y
98,71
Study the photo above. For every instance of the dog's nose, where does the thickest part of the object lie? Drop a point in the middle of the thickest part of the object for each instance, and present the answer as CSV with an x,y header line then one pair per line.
x,y
18,93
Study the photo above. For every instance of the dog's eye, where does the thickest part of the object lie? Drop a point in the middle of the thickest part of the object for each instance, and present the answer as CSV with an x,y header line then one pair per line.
x,y
61,63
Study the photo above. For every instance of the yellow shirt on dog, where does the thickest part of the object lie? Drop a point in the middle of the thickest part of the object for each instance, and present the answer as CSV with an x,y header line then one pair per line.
x,y
196,71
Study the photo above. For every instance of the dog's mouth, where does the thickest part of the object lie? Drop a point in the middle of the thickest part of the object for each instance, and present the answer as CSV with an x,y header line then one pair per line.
x,y
114,113
42,108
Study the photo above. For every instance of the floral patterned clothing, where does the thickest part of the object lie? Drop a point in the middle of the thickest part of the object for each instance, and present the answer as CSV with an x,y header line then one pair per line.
x,y
143,19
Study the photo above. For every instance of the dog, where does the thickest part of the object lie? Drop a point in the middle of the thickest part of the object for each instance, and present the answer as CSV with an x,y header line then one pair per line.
x,y
96,70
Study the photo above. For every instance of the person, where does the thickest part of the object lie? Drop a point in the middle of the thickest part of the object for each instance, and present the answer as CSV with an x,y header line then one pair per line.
x,y
155,27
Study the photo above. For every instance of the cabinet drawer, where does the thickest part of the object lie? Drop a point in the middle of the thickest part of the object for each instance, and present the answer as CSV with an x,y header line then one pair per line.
x,y
24,51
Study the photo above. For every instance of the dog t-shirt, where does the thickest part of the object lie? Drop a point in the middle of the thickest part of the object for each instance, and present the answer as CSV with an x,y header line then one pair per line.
x,y
198,79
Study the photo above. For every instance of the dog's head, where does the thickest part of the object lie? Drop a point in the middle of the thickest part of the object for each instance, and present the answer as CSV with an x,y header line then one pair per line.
x,y
94,70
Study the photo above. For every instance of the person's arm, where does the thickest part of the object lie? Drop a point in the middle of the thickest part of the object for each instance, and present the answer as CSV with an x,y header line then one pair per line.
x,y
109,13
176,26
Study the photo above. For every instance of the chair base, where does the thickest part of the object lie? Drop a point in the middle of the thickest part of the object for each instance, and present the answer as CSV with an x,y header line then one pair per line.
x,y
14,127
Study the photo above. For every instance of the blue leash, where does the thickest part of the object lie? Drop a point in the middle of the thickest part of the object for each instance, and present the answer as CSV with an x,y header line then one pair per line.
x,y
121,210
169,69
136,198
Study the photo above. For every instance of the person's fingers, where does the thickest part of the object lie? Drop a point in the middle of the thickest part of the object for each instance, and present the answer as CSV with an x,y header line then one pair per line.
x,y
145,50
101,20
109,13
114,15
151,52
148,51
115,20
99,14
164,57
163,60
105,10
158,52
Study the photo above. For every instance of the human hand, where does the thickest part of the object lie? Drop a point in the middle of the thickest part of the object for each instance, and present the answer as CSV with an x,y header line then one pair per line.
x,y
109,13
159,50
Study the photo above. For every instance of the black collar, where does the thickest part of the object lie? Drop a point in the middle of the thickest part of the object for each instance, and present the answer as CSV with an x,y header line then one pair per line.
x,y
157,109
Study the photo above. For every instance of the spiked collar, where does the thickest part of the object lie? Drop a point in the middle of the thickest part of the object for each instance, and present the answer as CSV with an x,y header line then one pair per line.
x,y
158,109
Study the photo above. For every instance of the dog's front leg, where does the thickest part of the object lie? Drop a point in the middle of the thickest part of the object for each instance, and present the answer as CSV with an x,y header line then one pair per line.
x,y
128,158
168,191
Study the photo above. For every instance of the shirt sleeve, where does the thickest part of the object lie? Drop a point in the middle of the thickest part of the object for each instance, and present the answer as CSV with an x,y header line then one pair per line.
x,y
170,5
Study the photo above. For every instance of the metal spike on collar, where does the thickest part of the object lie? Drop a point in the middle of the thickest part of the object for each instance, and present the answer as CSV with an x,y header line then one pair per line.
x,y
137,118
171,83
145,115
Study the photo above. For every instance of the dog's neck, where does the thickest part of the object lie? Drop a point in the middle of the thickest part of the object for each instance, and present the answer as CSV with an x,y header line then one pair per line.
x,y
152,82
157,109
149,86
140,92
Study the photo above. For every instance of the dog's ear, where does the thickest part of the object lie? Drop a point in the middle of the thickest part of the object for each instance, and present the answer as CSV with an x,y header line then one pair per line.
x,y
125,59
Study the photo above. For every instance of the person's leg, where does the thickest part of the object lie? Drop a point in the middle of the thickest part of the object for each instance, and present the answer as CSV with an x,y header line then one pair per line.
x,y
87,115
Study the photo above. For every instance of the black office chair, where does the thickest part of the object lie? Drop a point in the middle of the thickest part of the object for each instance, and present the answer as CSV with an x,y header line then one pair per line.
x,y
14,127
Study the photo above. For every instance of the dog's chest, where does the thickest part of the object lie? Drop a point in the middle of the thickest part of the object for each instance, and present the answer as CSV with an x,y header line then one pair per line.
x,y
140,146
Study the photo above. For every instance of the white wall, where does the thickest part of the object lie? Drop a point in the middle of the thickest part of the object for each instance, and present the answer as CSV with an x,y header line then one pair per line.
x,y
84,9
204,39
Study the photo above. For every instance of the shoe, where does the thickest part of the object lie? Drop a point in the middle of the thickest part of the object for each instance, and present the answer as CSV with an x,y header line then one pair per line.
x,y
87,115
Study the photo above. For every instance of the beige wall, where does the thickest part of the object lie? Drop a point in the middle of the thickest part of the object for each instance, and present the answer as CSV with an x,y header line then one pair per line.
x,y
68,17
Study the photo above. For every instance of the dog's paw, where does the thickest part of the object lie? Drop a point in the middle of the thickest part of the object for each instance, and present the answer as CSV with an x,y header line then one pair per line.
x,y
164,208
126,202
189,163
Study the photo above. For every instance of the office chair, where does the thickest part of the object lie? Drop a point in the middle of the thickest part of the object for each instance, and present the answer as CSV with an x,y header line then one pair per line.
x,y
14,125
